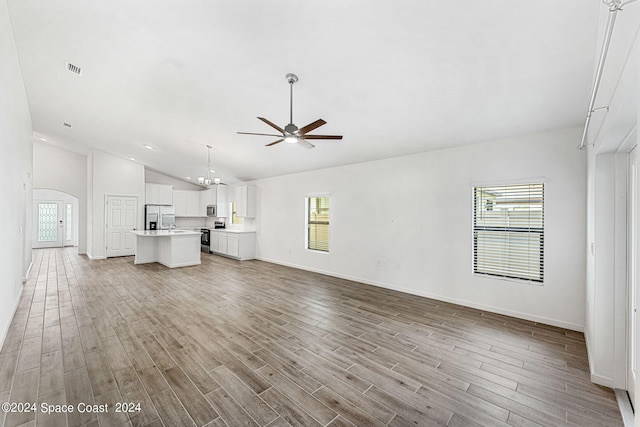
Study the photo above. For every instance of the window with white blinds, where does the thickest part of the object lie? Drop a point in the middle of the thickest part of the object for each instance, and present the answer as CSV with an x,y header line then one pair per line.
x,y
318,223
508,231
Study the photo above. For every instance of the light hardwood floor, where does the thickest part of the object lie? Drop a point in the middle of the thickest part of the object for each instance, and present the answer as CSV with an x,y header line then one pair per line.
x,y
252,343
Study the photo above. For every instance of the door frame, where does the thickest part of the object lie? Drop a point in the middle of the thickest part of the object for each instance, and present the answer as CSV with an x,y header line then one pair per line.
x,y
633,245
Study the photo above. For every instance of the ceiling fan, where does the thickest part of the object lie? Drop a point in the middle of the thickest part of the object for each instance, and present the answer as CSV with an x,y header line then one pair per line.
x,y
291,133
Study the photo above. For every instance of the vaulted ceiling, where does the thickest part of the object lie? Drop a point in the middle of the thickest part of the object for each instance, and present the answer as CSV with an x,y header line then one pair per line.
x,y
393,77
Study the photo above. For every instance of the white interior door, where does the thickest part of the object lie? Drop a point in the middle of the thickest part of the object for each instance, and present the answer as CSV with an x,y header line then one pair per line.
x,y
122,215
48,223
634,261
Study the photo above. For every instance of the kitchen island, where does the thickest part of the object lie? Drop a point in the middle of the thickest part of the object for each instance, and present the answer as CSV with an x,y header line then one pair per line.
x,y
172,248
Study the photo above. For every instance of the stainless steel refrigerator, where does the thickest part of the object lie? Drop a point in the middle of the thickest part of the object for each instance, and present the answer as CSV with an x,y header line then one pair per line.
x,y
159,217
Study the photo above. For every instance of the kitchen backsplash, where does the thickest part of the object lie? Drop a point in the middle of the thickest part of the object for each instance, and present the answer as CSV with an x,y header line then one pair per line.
x,y
182,222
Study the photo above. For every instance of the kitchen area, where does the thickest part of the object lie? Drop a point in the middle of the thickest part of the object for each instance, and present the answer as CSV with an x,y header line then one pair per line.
x,y
182,225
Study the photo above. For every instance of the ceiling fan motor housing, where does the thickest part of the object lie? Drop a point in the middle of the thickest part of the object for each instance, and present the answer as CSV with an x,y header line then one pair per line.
x,y
291,128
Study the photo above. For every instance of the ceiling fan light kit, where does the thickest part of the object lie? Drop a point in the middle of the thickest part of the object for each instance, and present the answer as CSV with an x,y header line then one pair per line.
x,y
291,133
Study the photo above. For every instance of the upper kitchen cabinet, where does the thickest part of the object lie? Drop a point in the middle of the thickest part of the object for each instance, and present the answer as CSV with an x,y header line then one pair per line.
x,y
193,204
216,195
158,194
187,203
246,201
180,202
222,202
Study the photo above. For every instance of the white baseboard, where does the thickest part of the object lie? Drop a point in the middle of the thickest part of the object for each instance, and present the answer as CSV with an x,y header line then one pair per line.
x,y
26,275
13,313
626,410
601,380
95,258
466,303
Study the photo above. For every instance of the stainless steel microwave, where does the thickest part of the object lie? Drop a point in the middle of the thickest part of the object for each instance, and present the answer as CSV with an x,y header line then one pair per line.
x,y
211,210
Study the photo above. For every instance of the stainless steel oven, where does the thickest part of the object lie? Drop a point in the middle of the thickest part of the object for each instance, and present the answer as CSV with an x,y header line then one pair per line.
x,y
205,240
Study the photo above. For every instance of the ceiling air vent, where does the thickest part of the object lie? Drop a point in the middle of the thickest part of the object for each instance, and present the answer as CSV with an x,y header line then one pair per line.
x,y
65,124
74,68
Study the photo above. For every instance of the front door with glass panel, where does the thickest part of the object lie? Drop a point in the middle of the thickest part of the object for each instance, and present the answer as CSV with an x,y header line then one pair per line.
x,y
49,223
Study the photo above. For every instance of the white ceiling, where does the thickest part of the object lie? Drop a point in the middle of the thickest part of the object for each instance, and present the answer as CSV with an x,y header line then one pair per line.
x,y
393,77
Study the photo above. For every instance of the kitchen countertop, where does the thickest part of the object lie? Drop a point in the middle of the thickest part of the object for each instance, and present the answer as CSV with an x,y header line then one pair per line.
x,y
165,233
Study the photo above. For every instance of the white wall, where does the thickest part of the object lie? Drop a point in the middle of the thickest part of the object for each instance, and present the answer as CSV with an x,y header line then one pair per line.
x,y
110,175
160,178
15,175
405,223
612,134
58,169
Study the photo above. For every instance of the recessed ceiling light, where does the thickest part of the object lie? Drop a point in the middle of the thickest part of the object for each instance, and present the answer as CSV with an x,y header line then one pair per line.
x,y
148,147
188,177
212,171
43,138
132,159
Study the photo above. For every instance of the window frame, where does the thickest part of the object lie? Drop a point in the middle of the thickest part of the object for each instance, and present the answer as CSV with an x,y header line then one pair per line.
x,y
307,223
532,230
234,219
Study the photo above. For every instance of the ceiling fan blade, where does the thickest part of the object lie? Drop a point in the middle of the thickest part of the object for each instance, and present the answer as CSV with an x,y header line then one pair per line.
x,y
305,144
276,127
274,142
311,126
323,136
262,134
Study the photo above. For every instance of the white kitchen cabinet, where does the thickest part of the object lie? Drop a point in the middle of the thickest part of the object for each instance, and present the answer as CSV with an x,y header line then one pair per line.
x,y
193,204
246,201
180,202
207,197
214,241
187,203
158,194
238,245
233,246
216,195
223,243
222,202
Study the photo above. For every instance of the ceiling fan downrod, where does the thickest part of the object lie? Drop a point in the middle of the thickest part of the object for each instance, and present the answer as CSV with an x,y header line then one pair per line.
x,y
291,129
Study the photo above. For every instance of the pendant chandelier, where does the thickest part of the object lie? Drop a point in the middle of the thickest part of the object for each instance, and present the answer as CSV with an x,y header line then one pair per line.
x,y
206,182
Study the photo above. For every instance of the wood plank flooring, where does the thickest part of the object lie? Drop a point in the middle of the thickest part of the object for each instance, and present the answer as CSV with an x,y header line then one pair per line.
x,y
256,344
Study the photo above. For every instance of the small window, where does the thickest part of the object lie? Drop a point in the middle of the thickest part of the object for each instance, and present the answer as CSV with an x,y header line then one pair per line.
x,y
235,219
318,223
508,231
69,223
